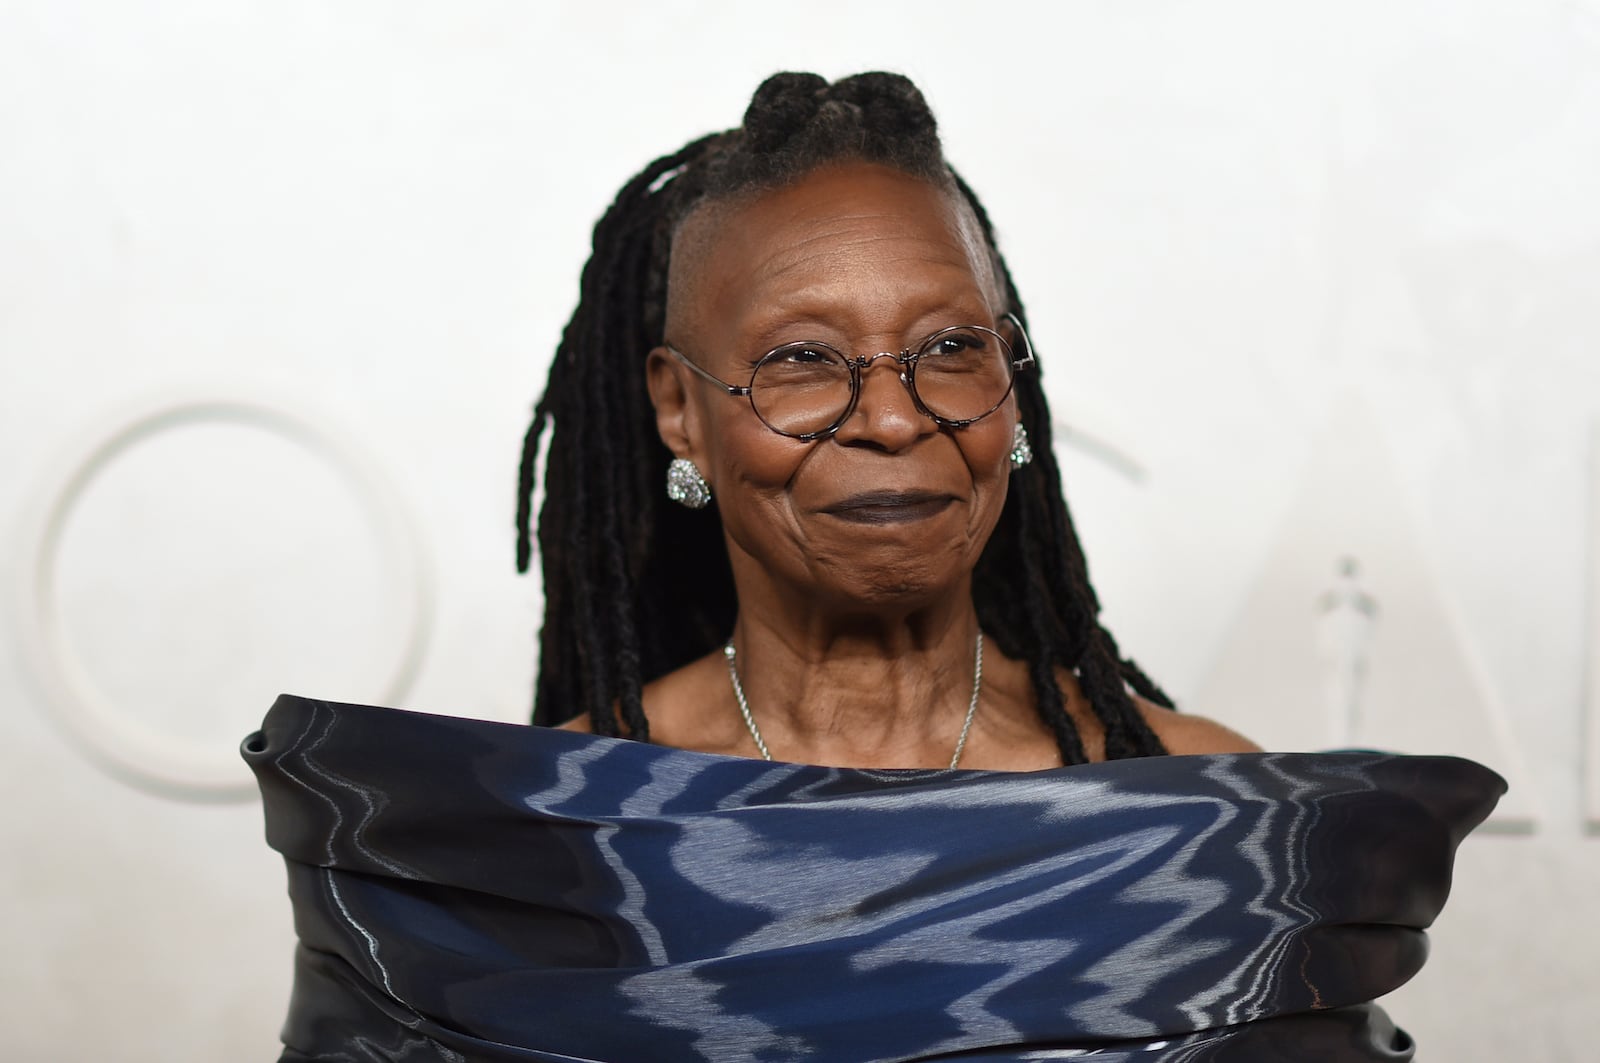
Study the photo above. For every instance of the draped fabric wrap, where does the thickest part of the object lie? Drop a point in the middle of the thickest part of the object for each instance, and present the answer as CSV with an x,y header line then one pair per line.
x,y
476,891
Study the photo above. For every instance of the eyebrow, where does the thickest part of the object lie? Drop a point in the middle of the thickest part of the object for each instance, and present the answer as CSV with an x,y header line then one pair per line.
x,y
789,324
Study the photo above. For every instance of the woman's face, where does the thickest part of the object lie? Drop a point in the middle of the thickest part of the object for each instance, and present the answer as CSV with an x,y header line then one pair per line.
x,y
892,509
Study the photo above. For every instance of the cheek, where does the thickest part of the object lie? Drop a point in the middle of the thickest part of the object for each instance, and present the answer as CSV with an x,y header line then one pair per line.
x,y
751,469
747,456
987,445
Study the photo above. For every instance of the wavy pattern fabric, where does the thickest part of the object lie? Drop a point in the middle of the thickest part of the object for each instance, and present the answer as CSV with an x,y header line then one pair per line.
x,y
475,891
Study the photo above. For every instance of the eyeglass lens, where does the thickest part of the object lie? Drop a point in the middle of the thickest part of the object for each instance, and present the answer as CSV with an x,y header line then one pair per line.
x,y
958,374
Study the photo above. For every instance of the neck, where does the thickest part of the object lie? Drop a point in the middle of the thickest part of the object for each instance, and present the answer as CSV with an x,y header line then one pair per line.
x,y
860,691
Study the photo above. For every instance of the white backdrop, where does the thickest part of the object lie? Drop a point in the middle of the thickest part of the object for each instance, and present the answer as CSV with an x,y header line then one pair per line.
x,y
279,282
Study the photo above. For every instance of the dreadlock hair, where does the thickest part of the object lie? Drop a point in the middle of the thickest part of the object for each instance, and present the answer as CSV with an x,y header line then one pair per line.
x,y
618,610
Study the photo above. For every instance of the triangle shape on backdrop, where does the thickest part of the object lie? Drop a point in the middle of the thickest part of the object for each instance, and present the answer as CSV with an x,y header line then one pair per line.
x,y
1346,641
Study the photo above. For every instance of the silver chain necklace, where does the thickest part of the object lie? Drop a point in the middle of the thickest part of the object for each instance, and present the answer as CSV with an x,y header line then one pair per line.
x,y
755,732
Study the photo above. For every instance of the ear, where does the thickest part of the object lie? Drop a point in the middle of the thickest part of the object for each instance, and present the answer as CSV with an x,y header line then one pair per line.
x,y
676,422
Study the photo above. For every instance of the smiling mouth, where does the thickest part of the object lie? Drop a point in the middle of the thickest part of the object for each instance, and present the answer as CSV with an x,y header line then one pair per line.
x,y
889,507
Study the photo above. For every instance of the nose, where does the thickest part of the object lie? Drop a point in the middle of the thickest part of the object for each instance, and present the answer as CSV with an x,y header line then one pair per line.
x,y
885,413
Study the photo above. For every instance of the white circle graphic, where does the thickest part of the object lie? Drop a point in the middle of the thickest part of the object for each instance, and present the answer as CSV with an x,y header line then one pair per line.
x,y
133,735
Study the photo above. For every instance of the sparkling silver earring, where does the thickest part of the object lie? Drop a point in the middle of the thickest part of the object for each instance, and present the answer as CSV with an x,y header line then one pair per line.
x,y
1021,450
686,486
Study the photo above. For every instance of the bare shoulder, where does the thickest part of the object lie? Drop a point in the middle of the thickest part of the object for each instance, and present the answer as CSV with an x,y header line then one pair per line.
x,y
1182,733
580,723
683,710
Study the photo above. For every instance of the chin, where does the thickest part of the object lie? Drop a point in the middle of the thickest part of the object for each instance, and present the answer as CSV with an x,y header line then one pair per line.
x,y
892,590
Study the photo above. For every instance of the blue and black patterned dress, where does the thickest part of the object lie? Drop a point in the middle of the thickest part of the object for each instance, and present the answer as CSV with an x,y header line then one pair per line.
x,y
487,892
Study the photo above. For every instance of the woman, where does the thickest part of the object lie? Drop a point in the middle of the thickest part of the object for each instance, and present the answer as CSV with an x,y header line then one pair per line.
x,y
830,216
811,315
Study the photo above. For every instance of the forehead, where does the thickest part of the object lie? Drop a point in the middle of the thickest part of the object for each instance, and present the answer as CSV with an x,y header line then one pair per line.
x,y
849,241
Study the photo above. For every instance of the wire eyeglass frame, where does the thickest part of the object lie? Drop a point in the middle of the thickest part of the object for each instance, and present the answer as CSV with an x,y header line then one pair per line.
x,y
907,360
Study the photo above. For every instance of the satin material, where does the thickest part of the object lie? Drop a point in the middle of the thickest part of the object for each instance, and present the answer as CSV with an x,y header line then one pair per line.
x,y
475,891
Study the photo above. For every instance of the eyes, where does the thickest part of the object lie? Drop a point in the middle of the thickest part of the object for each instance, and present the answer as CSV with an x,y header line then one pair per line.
x,y
955,344
806,389
806,354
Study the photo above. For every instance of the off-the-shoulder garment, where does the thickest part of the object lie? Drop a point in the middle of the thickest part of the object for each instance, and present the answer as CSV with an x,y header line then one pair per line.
x,y
466,890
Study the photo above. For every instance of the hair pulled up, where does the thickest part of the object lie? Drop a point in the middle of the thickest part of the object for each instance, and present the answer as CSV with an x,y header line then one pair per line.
x,y
619,610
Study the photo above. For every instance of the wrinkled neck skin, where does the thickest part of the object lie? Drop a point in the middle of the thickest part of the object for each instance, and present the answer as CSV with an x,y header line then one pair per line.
x,y
841,682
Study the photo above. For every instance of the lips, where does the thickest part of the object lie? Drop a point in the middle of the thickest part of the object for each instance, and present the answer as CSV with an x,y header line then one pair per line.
x,y
889,507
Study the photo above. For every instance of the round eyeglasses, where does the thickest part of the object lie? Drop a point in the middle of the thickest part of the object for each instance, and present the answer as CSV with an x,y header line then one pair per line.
x,y
806,390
